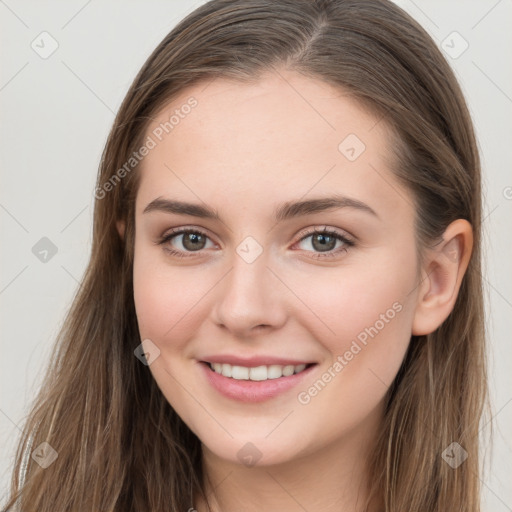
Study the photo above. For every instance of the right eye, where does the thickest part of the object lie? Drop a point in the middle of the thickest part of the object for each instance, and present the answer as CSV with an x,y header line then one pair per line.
x,y
192,240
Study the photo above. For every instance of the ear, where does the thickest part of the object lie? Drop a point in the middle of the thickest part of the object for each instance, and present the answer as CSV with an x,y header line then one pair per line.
x,y
442,274
120,224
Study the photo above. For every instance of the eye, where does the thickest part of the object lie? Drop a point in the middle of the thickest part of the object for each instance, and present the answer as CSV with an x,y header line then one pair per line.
x,y
322,240
191,240
325,241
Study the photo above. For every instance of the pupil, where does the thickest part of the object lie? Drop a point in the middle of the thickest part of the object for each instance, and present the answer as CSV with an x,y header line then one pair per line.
x,y
192,241
324,245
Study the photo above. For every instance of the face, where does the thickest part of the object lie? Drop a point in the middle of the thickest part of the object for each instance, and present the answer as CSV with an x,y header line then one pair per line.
x,y
330,284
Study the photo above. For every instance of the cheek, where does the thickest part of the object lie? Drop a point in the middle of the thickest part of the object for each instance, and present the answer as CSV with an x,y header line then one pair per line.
x,y
369,316
360,303
364,311
365,356
167,299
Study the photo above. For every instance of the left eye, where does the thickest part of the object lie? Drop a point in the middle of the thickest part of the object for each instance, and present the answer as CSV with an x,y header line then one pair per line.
x,y
325,242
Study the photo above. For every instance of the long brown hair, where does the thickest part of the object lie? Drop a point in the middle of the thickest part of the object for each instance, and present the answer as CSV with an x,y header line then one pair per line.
x,y
121,447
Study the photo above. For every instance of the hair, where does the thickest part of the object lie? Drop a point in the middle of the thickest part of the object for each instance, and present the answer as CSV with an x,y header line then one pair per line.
x,y
120,444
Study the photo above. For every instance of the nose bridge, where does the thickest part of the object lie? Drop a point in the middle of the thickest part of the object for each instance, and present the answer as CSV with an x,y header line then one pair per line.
x,y
249,294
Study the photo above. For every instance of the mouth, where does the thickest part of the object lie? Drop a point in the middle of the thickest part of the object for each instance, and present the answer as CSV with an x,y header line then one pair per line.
x,y
257,373
254,384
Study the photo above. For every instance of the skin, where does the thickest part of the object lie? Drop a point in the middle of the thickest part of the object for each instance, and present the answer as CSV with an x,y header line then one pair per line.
x,y
243,150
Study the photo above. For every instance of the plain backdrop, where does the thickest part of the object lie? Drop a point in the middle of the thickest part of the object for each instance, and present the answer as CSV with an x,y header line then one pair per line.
x,y
56,112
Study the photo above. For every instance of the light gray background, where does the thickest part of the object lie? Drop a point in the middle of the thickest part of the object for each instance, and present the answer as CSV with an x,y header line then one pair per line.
x,y
56,114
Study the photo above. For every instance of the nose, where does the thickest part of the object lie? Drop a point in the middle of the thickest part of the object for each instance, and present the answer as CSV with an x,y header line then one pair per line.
x,y
249,298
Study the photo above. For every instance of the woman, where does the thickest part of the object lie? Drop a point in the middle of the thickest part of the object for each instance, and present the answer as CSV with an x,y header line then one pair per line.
x,y
283,306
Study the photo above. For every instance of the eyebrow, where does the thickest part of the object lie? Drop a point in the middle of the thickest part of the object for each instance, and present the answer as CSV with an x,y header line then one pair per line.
x,y
285,211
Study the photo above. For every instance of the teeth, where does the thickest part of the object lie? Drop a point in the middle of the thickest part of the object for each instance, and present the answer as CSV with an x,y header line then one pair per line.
x,y
239,372
257,373
226,370
274,371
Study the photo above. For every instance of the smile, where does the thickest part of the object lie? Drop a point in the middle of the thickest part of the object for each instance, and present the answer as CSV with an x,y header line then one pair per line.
x,y
257,373
253,384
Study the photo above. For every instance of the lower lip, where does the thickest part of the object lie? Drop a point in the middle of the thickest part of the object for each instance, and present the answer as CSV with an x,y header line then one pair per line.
x,y
251,390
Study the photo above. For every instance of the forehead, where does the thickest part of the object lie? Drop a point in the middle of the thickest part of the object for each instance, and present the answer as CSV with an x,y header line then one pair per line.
x,y
278,139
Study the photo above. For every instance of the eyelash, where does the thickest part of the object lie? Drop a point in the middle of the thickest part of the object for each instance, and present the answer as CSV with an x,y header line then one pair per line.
x,y
318,255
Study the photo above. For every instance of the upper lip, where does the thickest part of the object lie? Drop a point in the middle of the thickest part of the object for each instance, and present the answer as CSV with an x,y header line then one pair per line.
x,y
252,361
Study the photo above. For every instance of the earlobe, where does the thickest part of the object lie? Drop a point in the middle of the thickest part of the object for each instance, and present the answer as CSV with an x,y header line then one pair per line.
x,y
444,268
120,228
